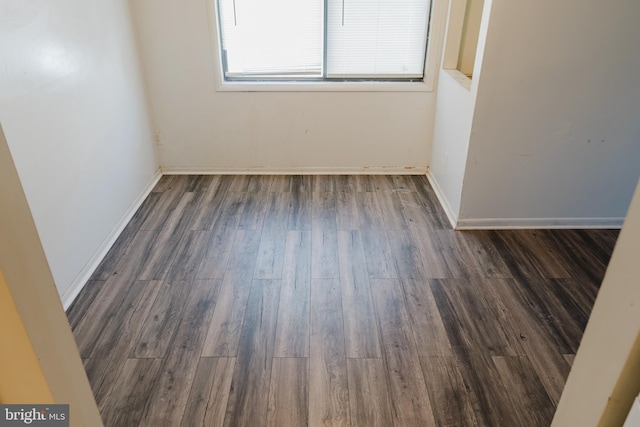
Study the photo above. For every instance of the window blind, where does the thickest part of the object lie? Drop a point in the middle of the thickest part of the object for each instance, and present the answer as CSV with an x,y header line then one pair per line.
x,y
272,37
292,39
385,38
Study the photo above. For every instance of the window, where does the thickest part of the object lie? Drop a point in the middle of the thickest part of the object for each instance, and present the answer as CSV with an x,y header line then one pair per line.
x,y
323,39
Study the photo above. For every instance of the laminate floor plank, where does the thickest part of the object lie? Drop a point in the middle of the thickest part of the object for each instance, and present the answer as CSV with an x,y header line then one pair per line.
x,y
428,197
525,257
248,400
347,217
292,333
557,313
391,213
164,183
211,203
323,183
408,257
330,301
539,347
254,211
223,336
199,183
439,255
302,184
324,237
483,253
118,338
369,399
214,263
428,328
404,183
409,397
250,183
209,392
168,201
577,254
79,308
133,385
111,295
525,390
300,211
452,405
281,184
328,383
414,211
378,254
170,237
361,334
289,392
168,398
269,263
383,183
168,308
369,211
474,321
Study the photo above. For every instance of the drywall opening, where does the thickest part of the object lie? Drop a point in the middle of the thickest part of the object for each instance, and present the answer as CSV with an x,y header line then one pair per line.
x,y
463,30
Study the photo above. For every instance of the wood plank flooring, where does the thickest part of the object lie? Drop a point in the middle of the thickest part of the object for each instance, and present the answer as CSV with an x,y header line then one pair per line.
x,y
330,301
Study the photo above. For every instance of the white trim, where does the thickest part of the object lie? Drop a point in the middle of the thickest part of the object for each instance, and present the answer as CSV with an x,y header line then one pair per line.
x,y
366,170
323,86
81,279
444,202
529,223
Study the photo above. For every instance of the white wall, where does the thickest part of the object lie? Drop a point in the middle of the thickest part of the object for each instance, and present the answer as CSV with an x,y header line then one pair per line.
x,y
454,115
75,118
555,138
29,280
455,108
605,377
201,129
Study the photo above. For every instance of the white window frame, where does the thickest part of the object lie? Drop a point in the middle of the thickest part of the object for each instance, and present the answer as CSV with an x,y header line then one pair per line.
x,y
433,59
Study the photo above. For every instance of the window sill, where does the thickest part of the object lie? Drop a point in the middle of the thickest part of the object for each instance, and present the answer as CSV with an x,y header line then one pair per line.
x,y
323,87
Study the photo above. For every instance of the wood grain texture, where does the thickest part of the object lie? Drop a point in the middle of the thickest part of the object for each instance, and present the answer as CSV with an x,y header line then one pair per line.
x,y
427,325
292,334
118,338
525,390
134,384
451,403
209,392
369,399
168,399
289,393
328,385
330,301
223,335
223,232
247,405
270,259
361,333
324,237
111,295
170,237
166,313
409,397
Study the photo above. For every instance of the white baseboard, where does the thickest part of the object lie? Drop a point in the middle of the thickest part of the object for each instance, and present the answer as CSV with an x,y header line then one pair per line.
x,y
366,170
530,223
444,202
81,279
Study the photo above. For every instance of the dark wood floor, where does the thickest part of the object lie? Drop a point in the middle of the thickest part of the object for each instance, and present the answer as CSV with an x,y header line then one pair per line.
x,y
346,300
